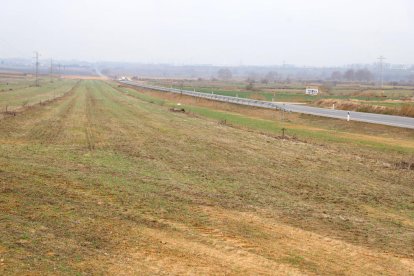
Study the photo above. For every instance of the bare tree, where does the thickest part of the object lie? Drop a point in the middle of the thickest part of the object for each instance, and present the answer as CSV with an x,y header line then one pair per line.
x,y
336,75
252,77
410,78
264,81
250,86
363,75
224,74
349,75
270,77
328,87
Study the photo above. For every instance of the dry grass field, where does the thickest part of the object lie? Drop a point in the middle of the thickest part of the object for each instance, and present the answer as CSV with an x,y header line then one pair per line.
x,y
107,180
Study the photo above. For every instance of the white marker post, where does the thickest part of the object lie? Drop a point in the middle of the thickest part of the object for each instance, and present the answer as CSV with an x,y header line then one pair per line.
x,y
348,116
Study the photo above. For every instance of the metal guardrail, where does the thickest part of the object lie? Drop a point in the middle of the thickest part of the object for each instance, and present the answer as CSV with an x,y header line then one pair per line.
x,y
221,98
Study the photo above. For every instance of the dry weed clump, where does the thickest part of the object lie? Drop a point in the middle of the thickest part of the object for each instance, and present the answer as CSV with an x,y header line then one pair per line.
x,y
407,110
404,110
257,96
407,164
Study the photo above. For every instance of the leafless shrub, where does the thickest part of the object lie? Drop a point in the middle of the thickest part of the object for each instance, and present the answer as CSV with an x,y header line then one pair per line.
x,y
223,122
405,164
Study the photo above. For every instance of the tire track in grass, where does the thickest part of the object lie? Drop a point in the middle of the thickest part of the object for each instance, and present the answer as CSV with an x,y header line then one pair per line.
x,y
102,119
138,120
127,109
49,130
90,103
84,129
120,118
99,123
99,119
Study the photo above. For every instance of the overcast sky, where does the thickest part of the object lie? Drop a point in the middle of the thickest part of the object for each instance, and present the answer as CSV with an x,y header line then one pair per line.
x,y
223,32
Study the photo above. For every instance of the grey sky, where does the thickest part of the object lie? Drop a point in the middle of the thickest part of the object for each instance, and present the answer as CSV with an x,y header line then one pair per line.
x,y
225,32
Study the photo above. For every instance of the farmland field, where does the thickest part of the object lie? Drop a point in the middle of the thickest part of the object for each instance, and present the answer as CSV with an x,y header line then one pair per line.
x,y
109,180
18,93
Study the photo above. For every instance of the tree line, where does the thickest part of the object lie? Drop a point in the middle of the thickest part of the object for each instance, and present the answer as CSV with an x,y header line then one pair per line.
x,y
360,75
353,75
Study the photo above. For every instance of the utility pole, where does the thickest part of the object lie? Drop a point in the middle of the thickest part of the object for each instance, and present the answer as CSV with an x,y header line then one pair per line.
x,y
51,70
37,67
381,63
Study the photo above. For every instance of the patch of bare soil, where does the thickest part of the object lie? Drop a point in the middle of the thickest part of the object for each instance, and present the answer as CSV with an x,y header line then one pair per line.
x,y
250,243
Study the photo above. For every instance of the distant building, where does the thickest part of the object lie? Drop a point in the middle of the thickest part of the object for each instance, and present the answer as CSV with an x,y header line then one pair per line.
x,y
312,91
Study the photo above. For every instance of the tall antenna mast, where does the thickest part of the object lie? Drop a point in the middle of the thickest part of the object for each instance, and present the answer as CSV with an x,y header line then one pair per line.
x,y
381,62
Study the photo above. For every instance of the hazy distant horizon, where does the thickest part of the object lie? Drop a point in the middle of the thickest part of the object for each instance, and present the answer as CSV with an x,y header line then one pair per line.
x,y
46,62
317,33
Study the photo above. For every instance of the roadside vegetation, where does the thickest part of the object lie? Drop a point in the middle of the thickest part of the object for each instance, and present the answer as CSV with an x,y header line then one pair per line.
x,y
391,99
112,180
305,127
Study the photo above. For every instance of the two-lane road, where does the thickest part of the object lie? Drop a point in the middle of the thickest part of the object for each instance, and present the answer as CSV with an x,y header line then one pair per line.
x,y
397,121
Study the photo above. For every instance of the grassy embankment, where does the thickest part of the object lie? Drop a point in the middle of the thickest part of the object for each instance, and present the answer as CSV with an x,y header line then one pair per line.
x,y
104,182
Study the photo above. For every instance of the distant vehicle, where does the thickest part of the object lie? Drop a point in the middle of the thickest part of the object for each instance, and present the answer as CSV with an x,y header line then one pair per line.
x,y
312,91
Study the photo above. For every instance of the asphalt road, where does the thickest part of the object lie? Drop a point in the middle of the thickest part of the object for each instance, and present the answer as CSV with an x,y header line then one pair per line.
x,y
397,121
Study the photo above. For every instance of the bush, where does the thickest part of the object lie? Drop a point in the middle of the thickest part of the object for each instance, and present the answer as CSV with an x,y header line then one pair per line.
x,y
407,110
250,86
